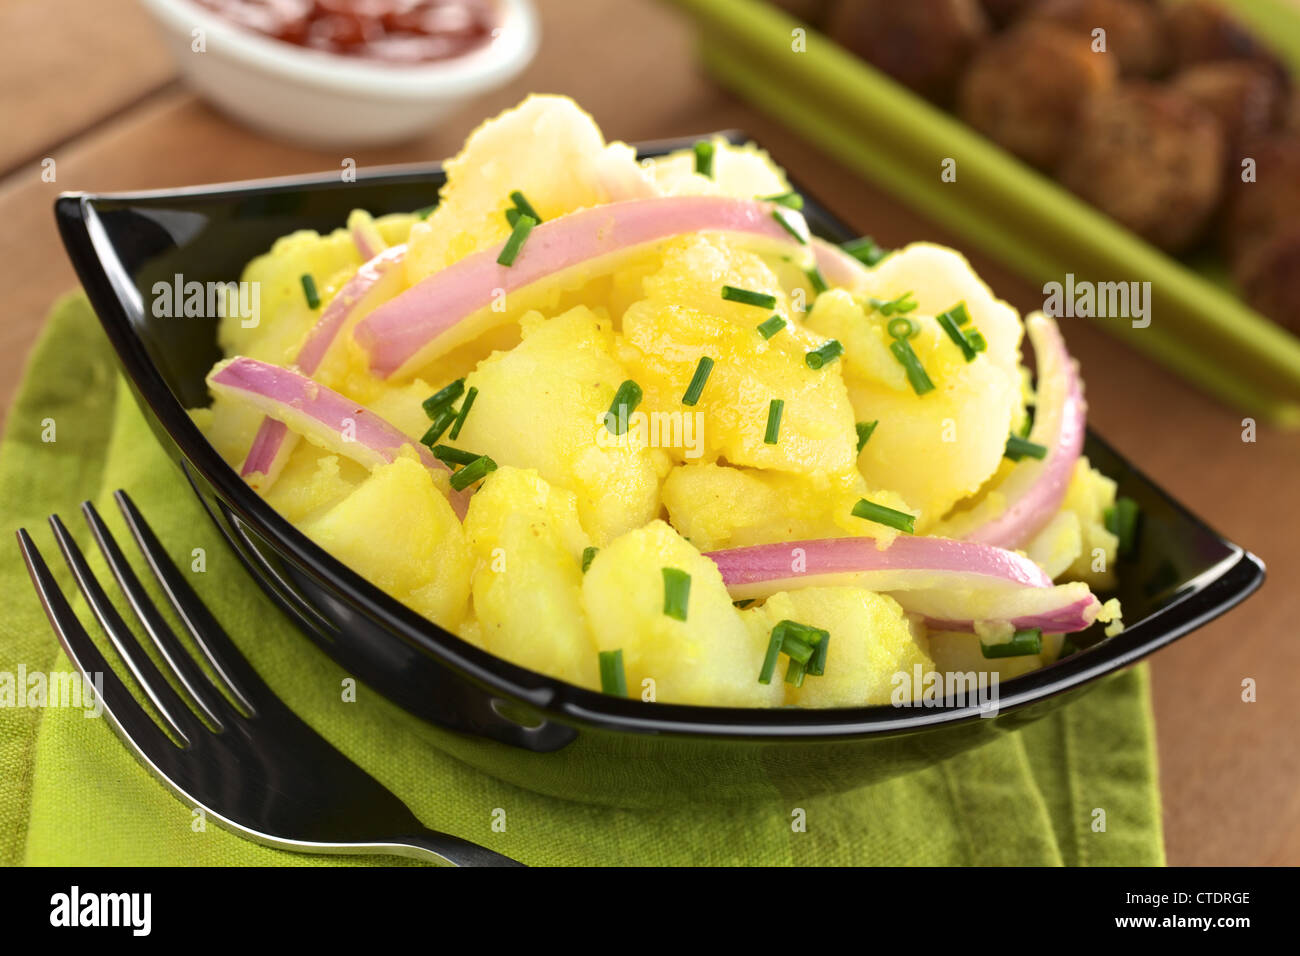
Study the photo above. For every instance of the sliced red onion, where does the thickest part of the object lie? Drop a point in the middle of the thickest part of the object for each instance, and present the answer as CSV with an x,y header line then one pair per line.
x,y
378,280
952,583
321,415
365,235
428,319
1034,489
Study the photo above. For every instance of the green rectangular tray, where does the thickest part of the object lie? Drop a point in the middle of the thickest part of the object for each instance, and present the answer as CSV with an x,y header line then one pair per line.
x,y
883,131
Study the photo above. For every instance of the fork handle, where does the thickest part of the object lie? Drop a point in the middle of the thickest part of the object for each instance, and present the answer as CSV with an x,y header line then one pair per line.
x,y
446,849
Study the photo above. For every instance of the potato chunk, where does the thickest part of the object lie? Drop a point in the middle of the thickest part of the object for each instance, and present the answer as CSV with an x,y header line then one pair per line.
x,y
541,406
398,531
527,583
684,317
871,641
709,658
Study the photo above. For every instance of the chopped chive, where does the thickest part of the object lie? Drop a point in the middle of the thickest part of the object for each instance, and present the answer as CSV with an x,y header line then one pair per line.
x,y
704,150
1121,521
951,322
901,327
774,410
794,673
587,555
824,354
773,649
897,305
512,216
899,520
613,679
677,592
1068,647
1024,642
454,456
743,604
976,340
478,468
797,228
1018,448
309,290
465,406
748,297
864,432
523,226
817,666
796,648
524,206
916,374
423,211
443,397
791,200
816,280
772,326
626,399
442,420
865,250
701,376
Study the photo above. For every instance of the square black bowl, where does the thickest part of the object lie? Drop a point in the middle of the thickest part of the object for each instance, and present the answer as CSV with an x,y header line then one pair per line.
x,y
516,724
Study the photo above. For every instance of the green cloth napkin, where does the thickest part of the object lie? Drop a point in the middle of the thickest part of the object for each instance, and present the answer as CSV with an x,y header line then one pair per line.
x,y
71,794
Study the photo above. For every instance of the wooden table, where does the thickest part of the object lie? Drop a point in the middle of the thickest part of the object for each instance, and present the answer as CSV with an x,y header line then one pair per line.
x,y
85,82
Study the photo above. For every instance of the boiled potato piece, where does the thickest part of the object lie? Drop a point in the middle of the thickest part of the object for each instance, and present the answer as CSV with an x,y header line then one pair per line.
x,y
709,658
527,585
398,531
312,482
541,406
741,171
959,652
684,317
716,506
548,149
871,640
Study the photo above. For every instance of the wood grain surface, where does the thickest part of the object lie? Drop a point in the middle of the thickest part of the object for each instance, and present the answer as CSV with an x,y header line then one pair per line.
x,y
85,82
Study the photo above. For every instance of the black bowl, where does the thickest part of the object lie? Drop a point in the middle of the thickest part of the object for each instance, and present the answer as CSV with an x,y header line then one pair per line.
x,y
516,724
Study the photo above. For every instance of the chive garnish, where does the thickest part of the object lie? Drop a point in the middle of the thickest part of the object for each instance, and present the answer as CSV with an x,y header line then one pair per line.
x,y
951,322
976,340
791,200
523,226
443,397
864,432
816,280
773,649
796,648
865,250
901,327
1025,641
587,555
824,354
772,326
791,226
899,520
478,468
309,290
701,376
512,216
442,419
916,374
1121,521
677,592
794,673
423,211
743,604
626,399
817,666
898,305
1018,448
464,412
524,206
704,158
748,297
613,679
454,456
774,410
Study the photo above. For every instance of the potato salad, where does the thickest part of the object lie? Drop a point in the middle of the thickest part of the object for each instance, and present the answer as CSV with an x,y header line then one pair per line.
x,y
628,423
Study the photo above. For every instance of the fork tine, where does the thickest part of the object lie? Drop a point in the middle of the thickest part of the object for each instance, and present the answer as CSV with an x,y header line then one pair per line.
x,y
173,710
135,724
240,678
200,689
